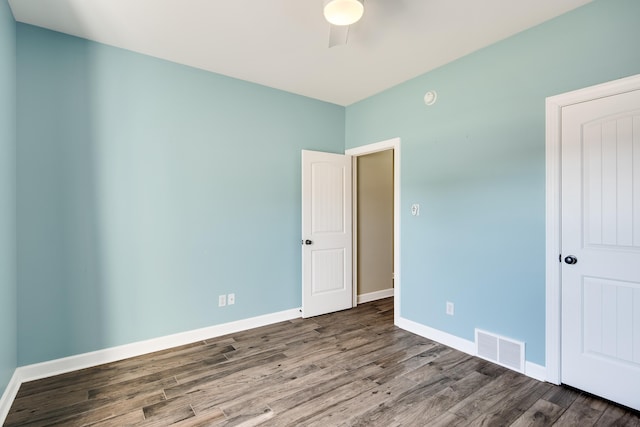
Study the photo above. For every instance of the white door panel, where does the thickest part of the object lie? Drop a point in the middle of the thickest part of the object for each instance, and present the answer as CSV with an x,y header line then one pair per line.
x,y
601,229
326,233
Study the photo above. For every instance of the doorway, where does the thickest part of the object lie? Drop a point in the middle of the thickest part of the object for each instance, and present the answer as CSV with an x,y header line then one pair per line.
x,y
382,158
327,250
373,226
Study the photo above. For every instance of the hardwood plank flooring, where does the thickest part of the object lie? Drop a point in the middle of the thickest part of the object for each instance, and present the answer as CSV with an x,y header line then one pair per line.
x,y
351,368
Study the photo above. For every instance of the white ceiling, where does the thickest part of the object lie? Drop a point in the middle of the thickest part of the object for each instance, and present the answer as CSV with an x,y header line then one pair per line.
x,y
283,43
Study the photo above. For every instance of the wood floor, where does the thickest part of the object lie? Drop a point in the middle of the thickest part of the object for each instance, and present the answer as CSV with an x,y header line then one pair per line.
x,y
352,368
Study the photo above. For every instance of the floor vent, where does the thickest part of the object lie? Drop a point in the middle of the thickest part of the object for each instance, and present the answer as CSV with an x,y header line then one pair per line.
x,y
503,351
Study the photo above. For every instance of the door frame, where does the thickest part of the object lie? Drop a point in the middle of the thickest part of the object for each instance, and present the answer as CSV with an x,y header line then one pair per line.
x,y
389,144
553,145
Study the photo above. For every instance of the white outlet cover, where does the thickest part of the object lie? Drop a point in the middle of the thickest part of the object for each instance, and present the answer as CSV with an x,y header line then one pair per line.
x,y
231,299
415,209
222,300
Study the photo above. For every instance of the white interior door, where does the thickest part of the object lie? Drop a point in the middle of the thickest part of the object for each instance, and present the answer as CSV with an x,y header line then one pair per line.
x,y
601,233
326,233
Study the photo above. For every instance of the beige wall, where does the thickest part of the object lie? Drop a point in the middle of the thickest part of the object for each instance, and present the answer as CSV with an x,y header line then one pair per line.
x,y
375,222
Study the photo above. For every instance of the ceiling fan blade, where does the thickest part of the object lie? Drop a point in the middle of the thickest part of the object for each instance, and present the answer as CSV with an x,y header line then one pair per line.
x,y
338,35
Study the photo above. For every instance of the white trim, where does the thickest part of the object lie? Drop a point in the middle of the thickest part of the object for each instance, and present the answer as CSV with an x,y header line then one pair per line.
x,y
374,296
108,355
373,148
445,338
9,395
553,285
535,371
390,144
532,370
552,242
354,229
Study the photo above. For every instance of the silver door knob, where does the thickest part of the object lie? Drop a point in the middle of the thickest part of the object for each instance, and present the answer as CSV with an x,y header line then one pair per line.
x,y
570,260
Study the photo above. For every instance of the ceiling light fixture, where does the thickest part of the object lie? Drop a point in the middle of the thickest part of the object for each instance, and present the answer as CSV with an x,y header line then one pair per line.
x,y
343,12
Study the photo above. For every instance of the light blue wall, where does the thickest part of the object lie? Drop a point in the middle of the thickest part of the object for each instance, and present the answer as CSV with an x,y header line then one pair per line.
x,y
8,319
475,163
146,189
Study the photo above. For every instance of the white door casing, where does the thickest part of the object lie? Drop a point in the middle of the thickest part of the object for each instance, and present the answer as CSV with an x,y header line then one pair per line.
x,y
390,144
326,233
593,306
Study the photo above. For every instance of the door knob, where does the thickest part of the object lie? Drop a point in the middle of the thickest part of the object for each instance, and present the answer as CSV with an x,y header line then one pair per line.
x,y
307,242
570,260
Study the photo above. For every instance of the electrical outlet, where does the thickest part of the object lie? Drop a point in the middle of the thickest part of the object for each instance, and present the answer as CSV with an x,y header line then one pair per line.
x,y
415,209
231,299
222,300
449,308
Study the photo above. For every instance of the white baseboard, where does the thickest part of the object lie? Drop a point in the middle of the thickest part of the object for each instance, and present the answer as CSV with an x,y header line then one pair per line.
x,y
453,341
532,370
9,395
113,354
373,296
535,371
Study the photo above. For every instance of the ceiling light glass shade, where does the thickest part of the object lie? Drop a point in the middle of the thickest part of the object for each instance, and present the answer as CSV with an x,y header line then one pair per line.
x,y
343,12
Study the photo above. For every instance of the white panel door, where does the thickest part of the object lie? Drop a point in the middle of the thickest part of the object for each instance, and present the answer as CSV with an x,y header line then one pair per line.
x,y
326,233
601,232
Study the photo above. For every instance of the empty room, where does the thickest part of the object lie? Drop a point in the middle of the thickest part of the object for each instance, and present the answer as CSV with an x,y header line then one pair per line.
x,y
319,212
